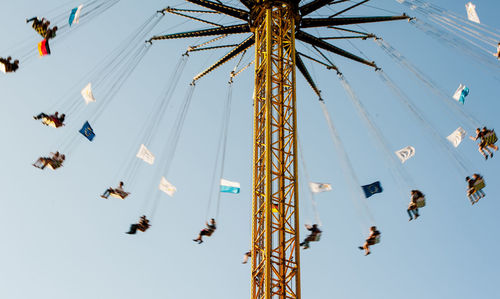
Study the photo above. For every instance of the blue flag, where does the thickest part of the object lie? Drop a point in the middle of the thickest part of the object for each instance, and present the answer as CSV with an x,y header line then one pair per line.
x,y
461,92
87,131
372,189
229,187
75,15
465,92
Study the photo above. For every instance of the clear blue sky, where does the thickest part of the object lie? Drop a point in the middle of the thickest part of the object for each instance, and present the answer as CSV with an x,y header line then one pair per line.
x,y
60,240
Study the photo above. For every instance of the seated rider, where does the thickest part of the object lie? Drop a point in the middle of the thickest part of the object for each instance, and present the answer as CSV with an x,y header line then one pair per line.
x,y
142,225
51,33
208,231
413,207
315,232
372,239
246,256
118,190
40,25
482,143
57,120
10,67
474,190
471,192
5,60
55,161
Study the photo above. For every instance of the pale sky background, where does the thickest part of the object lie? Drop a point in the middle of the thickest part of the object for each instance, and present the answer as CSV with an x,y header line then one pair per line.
x,y
61,240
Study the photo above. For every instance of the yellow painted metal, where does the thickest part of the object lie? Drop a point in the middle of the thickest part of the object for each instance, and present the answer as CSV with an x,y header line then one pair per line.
x,y
275,238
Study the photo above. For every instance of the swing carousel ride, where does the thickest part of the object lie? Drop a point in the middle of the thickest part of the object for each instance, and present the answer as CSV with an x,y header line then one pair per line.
x,y
169,164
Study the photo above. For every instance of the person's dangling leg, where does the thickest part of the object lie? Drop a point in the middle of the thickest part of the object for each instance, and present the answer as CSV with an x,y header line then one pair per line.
x,y
106,193
409,211
45,162
480,149
133,229
41,115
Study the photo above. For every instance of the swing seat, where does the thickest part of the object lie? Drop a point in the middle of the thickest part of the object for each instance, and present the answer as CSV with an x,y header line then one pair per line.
x,y
51,122
316,238
421,202
478,185
374,241
143,227
54,164
40,29
490,138
119,194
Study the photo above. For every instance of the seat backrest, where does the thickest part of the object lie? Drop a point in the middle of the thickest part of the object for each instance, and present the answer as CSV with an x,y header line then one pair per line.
x,y
317,237
490,137
421,202
479,184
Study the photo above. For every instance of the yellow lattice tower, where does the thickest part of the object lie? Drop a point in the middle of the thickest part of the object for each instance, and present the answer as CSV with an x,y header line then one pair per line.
x,y
275,250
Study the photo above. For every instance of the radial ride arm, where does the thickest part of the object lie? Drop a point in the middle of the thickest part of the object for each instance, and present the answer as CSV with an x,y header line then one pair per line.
x,y
310,39
228,10
321,22
233,53
242,28
302,68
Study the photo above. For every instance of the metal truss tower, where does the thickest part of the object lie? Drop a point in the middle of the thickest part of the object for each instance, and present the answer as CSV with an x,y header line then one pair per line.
x,y
274,26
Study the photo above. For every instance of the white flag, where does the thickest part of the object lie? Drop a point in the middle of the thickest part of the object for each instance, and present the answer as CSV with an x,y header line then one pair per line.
x,y
319,187
77,14
471,12
145,155
405,153
87,94
456,137
167,187
461,92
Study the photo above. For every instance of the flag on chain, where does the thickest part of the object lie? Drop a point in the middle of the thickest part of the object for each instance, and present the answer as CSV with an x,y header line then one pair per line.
x,y
405,153
319,187
372,188
87,94
229,187
43,48
145,155
167,187
87,131
457,136
74,16
460,94
471,13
